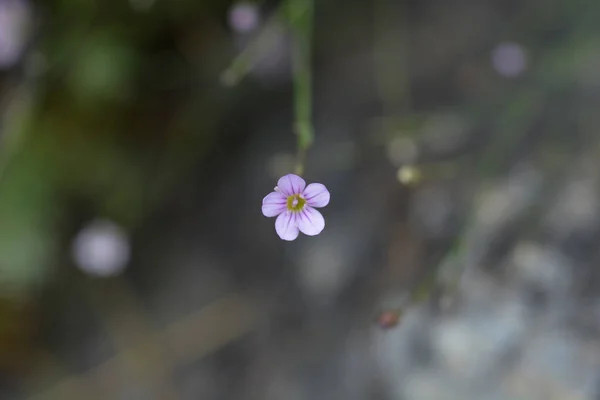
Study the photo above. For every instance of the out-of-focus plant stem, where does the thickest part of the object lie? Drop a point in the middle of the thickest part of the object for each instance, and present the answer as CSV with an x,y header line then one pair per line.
x,y
247,59
300,14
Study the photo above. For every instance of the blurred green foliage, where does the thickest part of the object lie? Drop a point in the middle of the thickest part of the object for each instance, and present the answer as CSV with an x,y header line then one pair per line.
x,y
122,102
127,98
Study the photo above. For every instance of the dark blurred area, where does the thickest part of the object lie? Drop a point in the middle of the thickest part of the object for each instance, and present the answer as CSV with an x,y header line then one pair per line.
x,y
459,141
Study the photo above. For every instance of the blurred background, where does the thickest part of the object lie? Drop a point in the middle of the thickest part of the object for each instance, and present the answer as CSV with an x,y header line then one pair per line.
x,y
459,141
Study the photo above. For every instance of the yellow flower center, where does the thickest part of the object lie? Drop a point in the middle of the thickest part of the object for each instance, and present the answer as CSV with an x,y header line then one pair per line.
x,y
295,203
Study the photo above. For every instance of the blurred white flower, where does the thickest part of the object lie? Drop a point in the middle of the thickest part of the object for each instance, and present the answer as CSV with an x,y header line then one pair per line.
x,y
244,17
509,59
408,175
101,249
15,17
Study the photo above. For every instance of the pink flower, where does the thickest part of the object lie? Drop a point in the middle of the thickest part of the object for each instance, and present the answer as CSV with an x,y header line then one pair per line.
x,y
293,203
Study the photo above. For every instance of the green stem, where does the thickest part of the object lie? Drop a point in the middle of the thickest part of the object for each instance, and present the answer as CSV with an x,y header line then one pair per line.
x,y
300,14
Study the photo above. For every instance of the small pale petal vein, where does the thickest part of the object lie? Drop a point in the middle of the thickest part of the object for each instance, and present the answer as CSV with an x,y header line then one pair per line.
x,y
310,221
291,184
273,204
316,195
286,227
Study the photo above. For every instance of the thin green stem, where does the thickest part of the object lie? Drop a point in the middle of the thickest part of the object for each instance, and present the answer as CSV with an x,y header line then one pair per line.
x,y
300,14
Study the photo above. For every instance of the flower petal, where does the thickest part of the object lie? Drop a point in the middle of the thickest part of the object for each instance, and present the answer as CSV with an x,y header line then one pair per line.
x,y
291,184
316,195
286,227
310,221
273,204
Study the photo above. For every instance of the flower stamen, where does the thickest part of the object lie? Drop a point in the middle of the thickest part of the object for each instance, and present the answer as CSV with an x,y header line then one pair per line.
x,y
295,203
